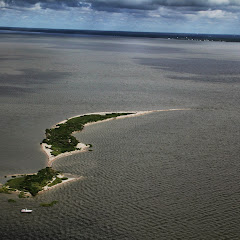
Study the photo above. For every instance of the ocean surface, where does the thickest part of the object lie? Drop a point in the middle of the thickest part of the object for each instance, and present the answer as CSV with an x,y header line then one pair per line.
x,y
165,175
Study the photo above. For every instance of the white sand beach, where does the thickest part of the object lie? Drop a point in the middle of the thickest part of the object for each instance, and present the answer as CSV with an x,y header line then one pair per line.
x,y
70,179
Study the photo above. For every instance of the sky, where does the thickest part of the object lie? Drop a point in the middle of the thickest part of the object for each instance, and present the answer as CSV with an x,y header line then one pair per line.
x,y
181,16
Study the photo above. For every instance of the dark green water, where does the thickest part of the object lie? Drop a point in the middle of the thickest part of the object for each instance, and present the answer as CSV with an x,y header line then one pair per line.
x,y
166,175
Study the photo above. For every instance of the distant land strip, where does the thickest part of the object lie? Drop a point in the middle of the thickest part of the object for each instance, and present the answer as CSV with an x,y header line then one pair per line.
x,y
178,36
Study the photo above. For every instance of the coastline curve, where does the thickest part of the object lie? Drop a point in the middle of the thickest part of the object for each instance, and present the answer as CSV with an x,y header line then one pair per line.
x,y
84,147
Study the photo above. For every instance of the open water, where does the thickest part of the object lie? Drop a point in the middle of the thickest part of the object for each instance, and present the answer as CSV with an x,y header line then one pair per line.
x,y
165,175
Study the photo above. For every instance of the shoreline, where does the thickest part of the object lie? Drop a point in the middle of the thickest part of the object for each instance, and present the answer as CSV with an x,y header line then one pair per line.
x,y
70,179
46,149
84,148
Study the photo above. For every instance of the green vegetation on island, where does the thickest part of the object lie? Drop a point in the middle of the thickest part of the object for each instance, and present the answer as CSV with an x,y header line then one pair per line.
x,y
64,178
55,182
60,137
21,194
4,189
30,183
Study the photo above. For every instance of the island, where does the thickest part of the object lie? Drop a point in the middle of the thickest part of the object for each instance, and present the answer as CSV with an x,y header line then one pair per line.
x,y
33,183
59,139
59,142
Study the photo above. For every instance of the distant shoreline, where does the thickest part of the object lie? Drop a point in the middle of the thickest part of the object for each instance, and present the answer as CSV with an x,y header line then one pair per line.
x,y
77,32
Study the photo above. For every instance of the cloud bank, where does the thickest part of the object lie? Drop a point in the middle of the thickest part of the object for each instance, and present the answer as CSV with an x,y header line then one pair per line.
x,y
148,15
122,4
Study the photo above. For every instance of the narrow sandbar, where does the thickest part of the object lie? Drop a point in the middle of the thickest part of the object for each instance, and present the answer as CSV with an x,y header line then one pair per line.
x,y
84,147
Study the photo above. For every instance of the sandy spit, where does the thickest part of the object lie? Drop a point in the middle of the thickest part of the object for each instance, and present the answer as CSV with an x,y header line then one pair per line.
x,y
70,179
47,148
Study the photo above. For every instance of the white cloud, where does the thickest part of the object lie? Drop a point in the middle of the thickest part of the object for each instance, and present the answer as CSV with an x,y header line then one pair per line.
x,y
217,14
224,2
3,4
135,15
37,6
